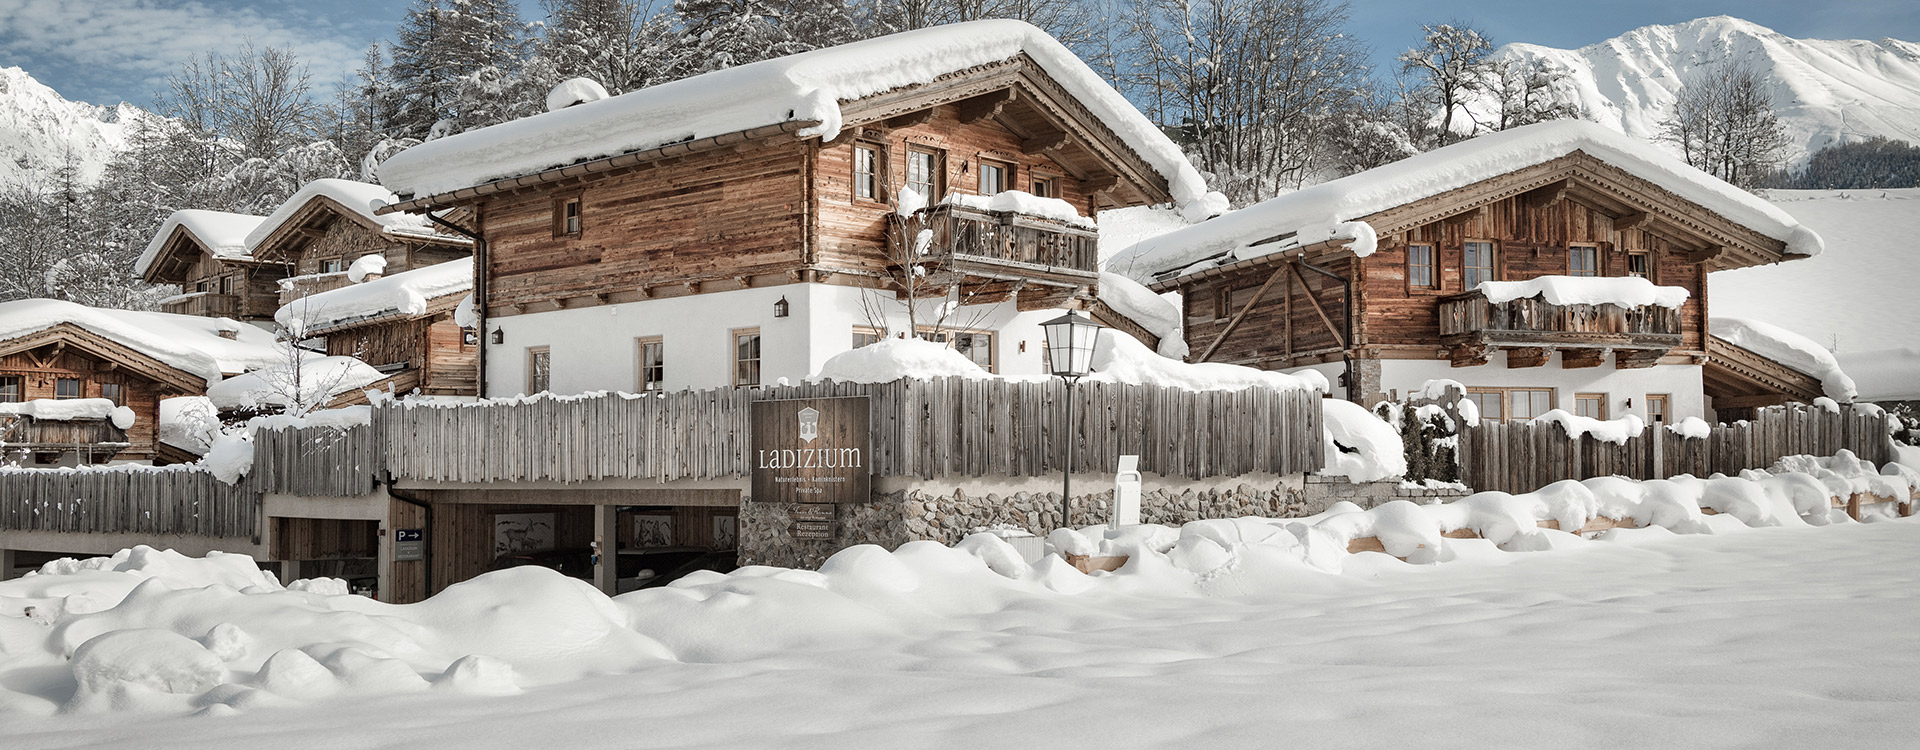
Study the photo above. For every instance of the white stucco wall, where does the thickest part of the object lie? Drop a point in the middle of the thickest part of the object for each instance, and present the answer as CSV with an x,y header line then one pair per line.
x,y
597,348
1682,383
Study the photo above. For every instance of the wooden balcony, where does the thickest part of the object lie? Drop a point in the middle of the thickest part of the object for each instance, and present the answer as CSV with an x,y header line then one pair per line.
x,y
204,304
95,440
1530,329
295,287
1011,246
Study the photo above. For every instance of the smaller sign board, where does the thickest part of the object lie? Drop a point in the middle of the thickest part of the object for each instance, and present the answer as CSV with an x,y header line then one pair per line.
x,y
409,545
813,530
812,521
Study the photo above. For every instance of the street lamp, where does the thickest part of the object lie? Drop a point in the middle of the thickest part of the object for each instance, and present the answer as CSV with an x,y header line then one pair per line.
x,y
1070,340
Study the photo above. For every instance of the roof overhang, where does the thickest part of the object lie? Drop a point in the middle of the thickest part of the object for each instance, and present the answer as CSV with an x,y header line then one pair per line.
x,y
69,335
321,211
1736,376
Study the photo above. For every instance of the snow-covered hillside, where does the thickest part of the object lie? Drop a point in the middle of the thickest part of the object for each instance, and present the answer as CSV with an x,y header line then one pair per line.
x,y
1825,90
40,130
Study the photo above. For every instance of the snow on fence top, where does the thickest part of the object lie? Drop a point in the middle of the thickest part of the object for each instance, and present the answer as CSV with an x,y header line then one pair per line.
x,y
359,197
1787,348
188,343
808,87
1348,199
1625,291
407,293
224,234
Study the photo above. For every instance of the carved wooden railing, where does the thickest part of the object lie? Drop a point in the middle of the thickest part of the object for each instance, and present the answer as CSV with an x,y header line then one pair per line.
x,y
98,436
204,304
1534,320
968,239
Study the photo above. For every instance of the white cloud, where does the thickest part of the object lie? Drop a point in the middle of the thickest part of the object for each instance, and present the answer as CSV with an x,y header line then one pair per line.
x,y
127,48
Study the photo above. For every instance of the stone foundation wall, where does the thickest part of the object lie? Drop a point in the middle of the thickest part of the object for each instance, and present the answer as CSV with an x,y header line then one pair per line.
x,y
1321,493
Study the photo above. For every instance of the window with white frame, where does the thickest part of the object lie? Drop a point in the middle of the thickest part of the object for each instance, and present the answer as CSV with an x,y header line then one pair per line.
x,y
866,171
923,173
539,369
746,356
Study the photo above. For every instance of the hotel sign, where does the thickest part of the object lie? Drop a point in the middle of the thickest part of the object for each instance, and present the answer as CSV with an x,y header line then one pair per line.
x,y
811,450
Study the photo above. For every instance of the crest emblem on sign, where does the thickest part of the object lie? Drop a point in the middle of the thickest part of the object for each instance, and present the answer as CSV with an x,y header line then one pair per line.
x,y
809,424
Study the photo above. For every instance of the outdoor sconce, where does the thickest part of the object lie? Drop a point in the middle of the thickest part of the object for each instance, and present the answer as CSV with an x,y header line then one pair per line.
x,y
780,308
499,336
471,337
1629,403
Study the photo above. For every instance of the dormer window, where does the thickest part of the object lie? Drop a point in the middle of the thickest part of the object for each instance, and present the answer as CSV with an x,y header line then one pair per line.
x,y
566,216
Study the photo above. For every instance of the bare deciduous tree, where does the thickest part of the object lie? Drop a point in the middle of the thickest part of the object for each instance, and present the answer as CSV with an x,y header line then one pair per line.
x,y
1453,69
1724,124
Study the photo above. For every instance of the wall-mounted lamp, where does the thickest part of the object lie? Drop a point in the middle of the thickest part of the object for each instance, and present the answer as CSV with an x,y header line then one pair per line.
x,y
499,336
472,337
1629,403
780,308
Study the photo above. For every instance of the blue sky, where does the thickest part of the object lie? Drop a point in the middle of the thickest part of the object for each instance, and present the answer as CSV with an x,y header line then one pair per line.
x,y
105,51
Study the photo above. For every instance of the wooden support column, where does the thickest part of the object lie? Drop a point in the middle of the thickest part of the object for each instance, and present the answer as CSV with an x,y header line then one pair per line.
x,y
606,569
1234,322
6,564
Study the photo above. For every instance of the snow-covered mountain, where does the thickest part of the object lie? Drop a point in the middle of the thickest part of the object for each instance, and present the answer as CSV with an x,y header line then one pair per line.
x,y
40,130
1824,90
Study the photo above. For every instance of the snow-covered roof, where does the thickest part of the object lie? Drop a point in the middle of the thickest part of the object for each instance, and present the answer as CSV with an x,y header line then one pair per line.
x,y
1144,307
1788,348
407,293
188,343
807,87
223,234
362,198
320,378
1325,208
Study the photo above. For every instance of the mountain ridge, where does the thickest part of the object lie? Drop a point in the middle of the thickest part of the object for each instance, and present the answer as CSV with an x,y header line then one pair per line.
x,y
40,130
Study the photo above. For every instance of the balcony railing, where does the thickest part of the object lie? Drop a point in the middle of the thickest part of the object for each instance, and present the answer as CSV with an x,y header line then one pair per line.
x,y
1010,245
96,437
204,304
295,287
1472,320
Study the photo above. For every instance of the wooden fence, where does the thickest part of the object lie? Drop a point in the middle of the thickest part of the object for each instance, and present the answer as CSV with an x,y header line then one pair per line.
x,y
1525,456
316,461
944,427
184,500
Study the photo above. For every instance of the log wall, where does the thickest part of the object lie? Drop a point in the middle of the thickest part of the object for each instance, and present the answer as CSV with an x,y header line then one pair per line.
x,y
141,394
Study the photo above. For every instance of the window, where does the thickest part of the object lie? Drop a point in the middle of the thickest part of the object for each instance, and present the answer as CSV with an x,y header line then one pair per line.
x,y
12,388
1491,402
923,173
1640,264
1478,264
977,347
866,172
1043,188
114,392
1657,408
539,369
1420,267
864,335
1583,260
332,265
653,368
746,356
566,216
67,388
993,177
1592,405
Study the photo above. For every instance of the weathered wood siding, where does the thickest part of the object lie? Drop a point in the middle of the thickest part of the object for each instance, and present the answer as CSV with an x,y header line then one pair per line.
x,y
1525,456
712,216
1531,241
1284,329
175,500
315,461
141,394
948,427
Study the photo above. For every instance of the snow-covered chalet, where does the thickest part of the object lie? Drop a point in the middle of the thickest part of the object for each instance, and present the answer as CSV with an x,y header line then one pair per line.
x,y
743,226
1559,265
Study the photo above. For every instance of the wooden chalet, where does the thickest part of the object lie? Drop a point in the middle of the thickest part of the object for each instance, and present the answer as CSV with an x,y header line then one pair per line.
x,y
1383,278
757,247
319,232
402,325
57,351
205,254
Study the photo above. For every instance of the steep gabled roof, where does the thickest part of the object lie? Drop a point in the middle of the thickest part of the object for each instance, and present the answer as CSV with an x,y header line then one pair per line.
x,y
804,92
355,201
217,233
1564,152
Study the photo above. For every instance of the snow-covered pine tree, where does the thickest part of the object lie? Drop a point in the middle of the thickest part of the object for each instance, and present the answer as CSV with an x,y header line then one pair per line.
x,y
718,34
444,48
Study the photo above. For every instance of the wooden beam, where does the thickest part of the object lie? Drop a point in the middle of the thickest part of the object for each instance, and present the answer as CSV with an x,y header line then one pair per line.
x,y
1234,322
910,119
1635,220
1096,182
1042,143
1315,299
1708,254
985,105
1468,355
1549,195
1528,356
1574,359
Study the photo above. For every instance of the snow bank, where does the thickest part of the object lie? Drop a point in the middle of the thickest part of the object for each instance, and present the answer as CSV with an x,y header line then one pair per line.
x,y
1353,198
189,422
1359,446
1787,348
223,234
361,198
1625,291
1119,358
1121,228
1150,310
408,293
1021,202
891,359
810,86
320,378
188,343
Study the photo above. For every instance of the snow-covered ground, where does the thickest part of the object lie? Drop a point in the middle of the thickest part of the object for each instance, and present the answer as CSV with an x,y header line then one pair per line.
x,y
1786,636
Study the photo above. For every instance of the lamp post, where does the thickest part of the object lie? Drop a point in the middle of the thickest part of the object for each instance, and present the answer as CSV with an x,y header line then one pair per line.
x,y
1070,340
